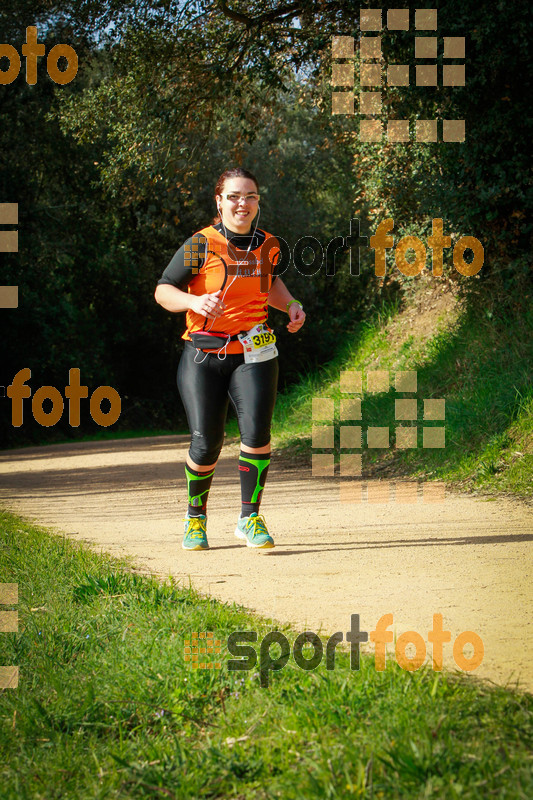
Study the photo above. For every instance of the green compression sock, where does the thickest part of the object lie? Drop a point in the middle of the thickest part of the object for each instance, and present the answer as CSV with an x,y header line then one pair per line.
x,y
198,485
253,469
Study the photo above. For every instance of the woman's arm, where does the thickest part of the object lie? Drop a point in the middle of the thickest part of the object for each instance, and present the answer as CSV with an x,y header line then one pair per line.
x,y
278,297
173,299
179,272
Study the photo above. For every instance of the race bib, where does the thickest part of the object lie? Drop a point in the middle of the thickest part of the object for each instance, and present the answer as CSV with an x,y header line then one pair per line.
x,y
259,344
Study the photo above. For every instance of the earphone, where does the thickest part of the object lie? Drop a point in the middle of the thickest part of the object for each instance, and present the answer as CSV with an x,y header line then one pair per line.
x,y
239,264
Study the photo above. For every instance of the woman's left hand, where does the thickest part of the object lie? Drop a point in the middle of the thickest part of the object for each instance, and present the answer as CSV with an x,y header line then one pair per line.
x,y
296,317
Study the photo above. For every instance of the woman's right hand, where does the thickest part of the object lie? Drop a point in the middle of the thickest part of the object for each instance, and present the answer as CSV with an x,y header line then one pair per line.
x,y
208,305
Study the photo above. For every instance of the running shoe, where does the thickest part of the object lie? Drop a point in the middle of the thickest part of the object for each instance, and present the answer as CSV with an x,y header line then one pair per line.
x,y
195,537
254,530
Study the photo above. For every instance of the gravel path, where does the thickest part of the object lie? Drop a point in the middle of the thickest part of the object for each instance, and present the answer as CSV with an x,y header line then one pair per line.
x,y
466,558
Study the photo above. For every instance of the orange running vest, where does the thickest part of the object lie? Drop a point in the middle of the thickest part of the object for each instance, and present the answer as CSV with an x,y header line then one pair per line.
x,y
245,280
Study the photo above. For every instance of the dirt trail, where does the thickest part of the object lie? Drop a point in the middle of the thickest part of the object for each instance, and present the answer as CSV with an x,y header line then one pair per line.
x,y
466,558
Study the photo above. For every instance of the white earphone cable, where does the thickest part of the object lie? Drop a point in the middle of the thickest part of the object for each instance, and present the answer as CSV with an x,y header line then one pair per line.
x,y
239,263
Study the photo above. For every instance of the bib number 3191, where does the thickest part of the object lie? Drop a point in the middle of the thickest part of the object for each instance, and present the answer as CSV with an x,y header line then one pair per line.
x,y
260,339
259,344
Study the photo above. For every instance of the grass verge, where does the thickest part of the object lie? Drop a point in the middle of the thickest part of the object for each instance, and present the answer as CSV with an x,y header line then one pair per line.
x,y
107,707
481,365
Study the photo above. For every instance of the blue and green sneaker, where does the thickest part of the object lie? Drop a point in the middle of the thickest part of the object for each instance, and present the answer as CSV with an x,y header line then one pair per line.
x,y
254,530
195,537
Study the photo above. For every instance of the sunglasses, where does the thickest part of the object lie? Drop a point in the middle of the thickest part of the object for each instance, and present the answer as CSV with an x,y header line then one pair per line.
x,y
234,198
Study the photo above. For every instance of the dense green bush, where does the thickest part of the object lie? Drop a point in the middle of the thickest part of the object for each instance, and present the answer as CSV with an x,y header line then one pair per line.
x,y
114,170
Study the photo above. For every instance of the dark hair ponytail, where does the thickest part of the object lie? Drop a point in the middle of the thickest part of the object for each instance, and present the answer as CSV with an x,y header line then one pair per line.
x,y
236,172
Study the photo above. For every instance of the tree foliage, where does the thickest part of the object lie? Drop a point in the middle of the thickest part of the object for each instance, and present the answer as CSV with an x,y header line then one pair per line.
x,y
114,170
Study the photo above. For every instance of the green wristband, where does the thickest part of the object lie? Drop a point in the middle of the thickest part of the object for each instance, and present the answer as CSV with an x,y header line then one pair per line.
x,y
290,304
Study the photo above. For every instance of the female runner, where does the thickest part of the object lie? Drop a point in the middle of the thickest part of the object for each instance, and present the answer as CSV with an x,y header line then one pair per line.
x,y
224,278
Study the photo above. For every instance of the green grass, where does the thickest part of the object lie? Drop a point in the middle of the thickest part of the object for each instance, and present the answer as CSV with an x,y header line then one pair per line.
x,y
482,366
107,707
